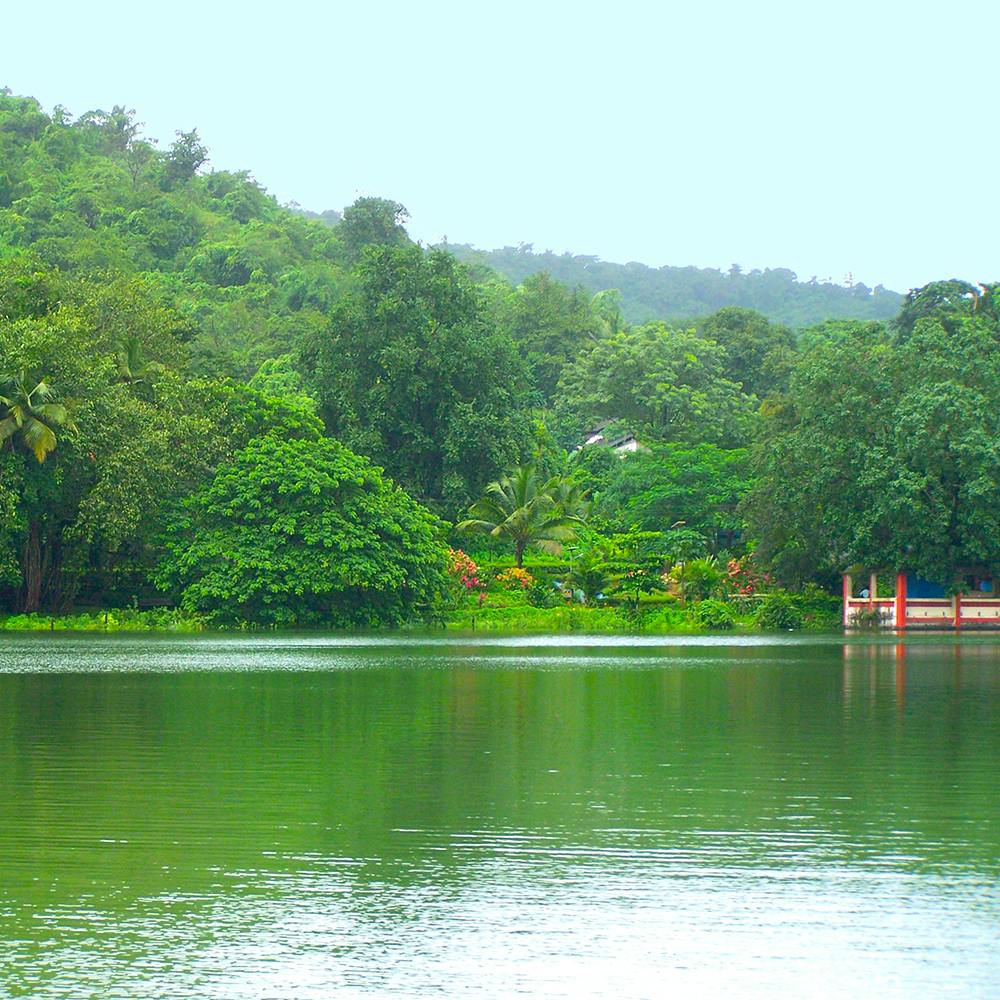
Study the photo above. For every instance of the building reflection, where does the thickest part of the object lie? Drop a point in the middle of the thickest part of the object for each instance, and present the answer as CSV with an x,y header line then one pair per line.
x,y
874,666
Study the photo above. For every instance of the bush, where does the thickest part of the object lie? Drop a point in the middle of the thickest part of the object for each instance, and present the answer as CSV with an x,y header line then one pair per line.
x,y
542,595
515,578
700,579
713,614
780,612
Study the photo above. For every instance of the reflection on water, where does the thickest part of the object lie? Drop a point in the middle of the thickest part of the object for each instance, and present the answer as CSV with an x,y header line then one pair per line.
x,y
306,817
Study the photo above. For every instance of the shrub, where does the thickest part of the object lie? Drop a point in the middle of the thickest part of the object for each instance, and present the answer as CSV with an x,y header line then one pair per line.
x,y
745,578
515,577
713,614
780,611
866,618
541,595
701,579
589,576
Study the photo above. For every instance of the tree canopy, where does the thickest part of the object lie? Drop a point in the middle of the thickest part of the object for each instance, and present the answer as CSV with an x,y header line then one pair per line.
x,y
666,384
885,454
210,398
297,531
412,373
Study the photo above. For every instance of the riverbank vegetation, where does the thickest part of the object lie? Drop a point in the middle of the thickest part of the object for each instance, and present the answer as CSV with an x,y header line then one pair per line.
x,y
216,410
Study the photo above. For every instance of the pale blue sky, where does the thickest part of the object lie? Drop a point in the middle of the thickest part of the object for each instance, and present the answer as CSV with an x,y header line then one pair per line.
x,y
828,137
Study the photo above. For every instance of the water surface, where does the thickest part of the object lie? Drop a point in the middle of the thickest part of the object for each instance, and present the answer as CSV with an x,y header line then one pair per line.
x,y
299,817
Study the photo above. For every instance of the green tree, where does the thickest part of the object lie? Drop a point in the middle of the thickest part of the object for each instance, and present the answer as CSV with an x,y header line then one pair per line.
x,y
372,222
117,128
551,324
590,574
186,156
701,485
294,531
527,510
946,301
639,558
412,374
810,485
885,456
666,385
757,350
29,416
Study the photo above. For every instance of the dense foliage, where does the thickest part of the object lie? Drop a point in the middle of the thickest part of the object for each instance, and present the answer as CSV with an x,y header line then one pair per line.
x,y
247,412
650,293
885,452
411,372
303,531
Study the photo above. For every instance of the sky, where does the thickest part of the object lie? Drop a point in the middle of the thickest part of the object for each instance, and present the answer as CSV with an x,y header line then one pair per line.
x,y
833,138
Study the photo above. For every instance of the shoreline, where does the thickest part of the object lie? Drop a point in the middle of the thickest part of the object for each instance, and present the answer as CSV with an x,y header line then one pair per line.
x,y
484,621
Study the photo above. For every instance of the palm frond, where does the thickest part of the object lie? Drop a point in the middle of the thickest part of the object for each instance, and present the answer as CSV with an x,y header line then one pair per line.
x,y
42,391
39,437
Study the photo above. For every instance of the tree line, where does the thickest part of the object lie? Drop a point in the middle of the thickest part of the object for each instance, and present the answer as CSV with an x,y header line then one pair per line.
x,y
209,399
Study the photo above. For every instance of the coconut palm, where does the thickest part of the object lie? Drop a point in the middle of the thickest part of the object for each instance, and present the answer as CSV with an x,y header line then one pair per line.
x,y
133,368
527,510
570,497
30,415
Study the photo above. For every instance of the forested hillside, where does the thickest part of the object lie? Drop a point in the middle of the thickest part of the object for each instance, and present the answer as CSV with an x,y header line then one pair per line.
x,y
226,405
682,293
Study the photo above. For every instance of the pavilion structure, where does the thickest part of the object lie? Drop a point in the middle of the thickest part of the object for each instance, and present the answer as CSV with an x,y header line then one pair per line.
x,y
911,602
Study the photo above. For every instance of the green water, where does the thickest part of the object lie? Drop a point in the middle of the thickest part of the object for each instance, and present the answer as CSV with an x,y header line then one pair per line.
x,y
303,818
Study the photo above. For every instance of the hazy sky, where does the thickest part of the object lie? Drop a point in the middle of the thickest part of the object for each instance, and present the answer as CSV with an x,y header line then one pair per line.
x,y
828,137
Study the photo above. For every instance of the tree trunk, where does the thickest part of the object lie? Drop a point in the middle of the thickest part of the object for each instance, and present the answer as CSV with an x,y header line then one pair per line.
x,y
32,568
52,575
519,553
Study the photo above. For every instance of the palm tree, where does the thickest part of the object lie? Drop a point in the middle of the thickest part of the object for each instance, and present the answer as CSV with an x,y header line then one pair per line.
x,y
526,510
132,366
30,414
570,497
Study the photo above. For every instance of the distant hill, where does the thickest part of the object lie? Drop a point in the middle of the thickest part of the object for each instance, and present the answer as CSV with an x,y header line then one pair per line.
x,y
687,292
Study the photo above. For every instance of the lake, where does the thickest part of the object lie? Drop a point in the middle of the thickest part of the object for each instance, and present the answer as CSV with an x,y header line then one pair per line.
x,y
306,817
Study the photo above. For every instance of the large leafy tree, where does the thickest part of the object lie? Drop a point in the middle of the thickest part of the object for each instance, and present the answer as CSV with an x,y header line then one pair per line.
x,y
29,417
950,303
699,485
298,531
665,384
413,374
111,460
551,324
758,352
372,222
885,455
527,510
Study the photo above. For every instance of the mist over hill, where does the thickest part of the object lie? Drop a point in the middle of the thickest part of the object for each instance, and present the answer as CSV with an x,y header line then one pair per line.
x,y
672,293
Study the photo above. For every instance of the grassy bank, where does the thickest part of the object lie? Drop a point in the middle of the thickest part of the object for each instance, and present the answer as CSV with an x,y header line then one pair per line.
x,y
582,619
781,612
111,620
509,612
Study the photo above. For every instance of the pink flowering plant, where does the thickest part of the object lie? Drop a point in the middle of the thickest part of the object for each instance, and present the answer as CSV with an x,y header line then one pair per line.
x,y
465,574
745,578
